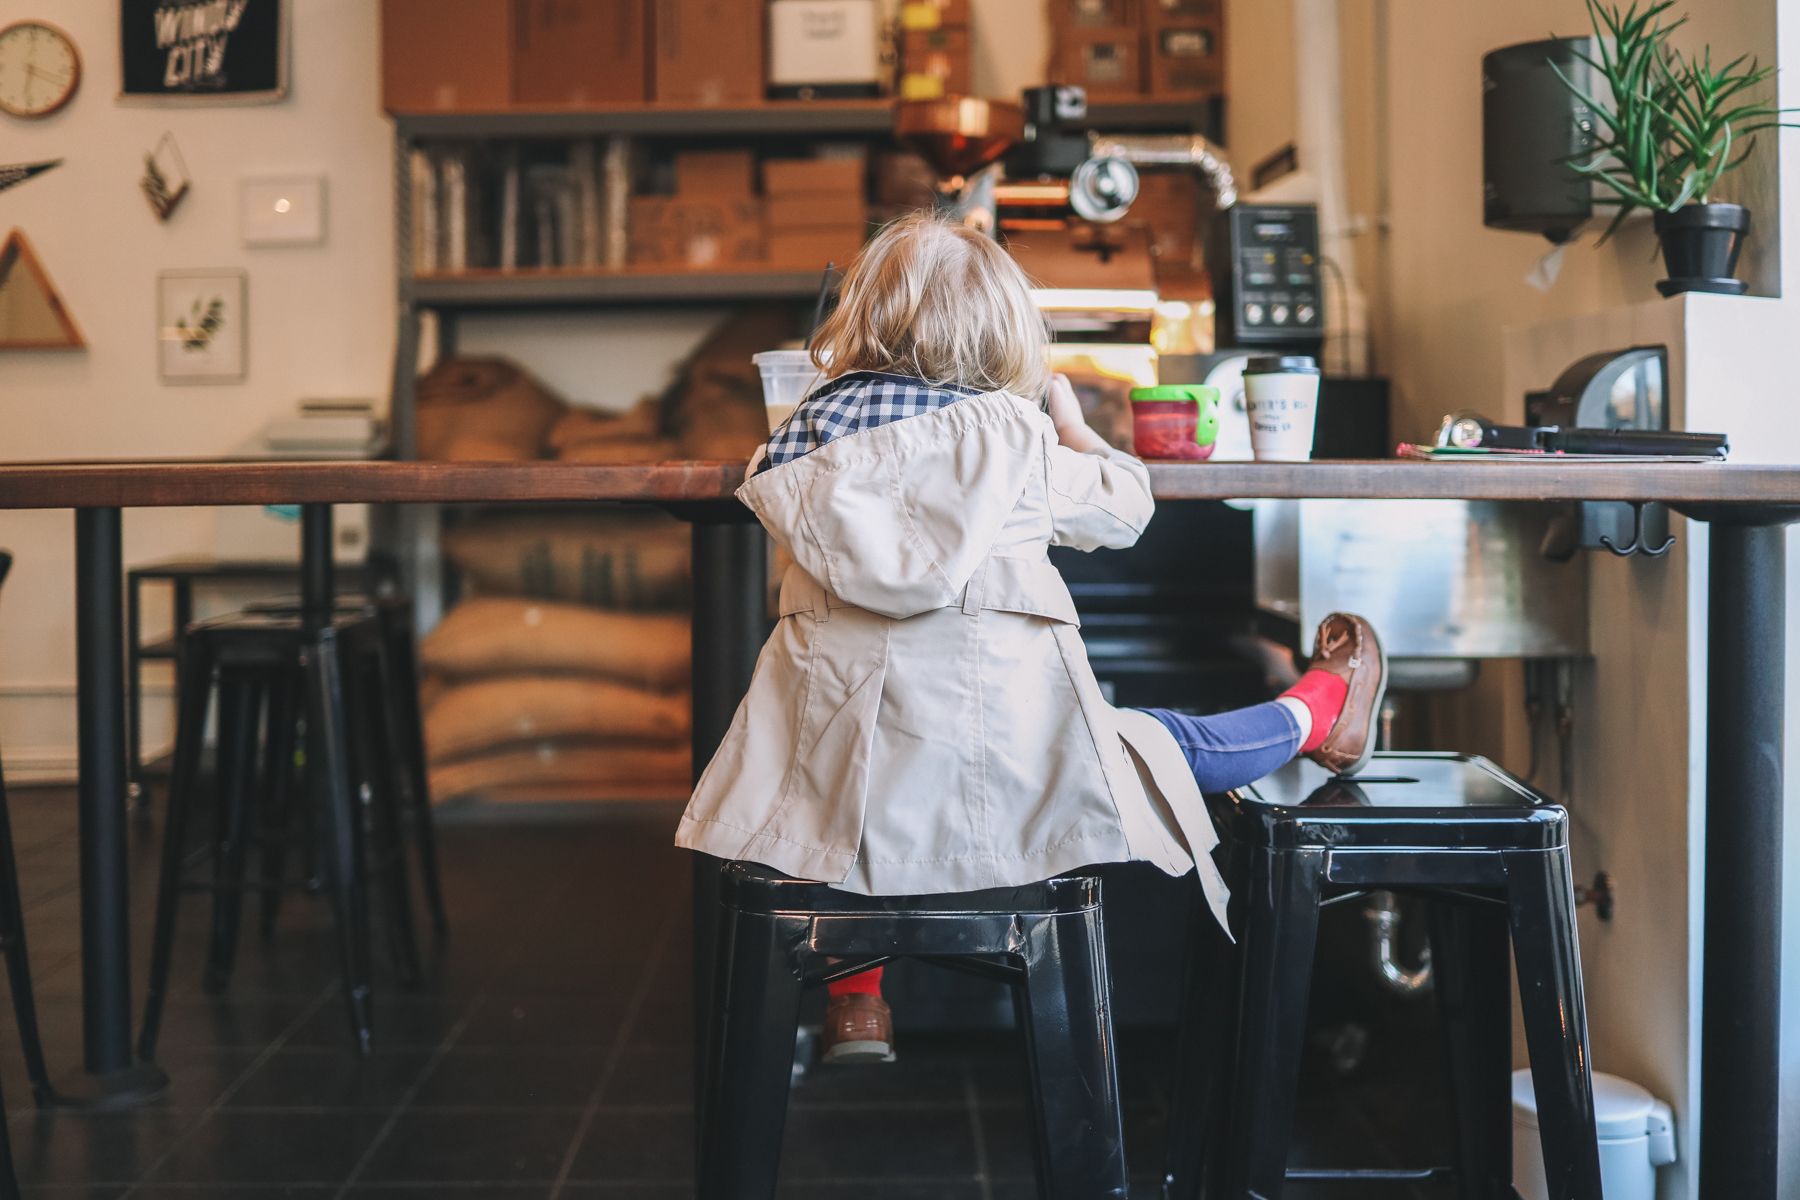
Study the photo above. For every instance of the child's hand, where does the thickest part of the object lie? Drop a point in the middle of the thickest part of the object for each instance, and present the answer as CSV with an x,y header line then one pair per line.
x,y
1065,412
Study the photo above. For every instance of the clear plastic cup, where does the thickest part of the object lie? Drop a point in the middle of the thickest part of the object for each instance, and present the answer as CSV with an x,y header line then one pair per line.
x,y
787,377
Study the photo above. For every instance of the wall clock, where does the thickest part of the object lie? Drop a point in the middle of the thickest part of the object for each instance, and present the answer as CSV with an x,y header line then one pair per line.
x,y
39,69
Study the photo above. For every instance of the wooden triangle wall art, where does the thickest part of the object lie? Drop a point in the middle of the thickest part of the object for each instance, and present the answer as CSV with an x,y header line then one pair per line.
x,y
32,315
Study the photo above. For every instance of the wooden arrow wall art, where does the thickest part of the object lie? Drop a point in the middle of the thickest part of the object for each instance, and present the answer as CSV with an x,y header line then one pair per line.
x,y
32,315
17,173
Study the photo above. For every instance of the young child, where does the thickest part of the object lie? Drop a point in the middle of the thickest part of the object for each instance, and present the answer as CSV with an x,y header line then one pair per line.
x,y
924,718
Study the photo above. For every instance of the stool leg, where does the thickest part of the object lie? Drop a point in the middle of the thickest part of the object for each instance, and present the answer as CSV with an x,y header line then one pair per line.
x,y
1281,926
240,706
1065,1011
328,770
278,787
1470,973
382,783
1542,899
747,1108
1202,1057
9,1180
18,972
184,780
401,687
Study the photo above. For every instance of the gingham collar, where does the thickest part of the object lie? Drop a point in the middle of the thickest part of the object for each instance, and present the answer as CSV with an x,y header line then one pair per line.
x,y
851,403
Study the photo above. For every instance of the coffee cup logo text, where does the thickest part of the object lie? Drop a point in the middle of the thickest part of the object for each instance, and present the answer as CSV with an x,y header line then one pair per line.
x,y
194,35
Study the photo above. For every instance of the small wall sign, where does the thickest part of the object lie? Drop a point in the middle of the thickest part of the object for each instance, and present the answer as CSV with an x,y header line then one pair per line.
x,y
203,51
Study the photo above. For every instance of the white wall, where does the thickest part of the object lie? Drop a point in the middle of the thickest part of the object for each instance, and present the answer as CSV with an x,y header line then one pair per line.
x,y
321,319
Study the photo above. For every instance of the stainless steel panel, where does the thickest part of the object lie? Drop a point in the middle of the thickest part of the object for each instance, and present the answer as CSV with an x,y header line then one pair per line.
x,y
1442,578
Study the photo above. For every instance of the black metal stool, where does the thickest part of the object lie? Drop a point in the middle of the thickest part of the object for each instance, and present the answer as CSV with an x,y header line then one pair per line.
x,y
775,939
18,970
332,679
400,684
1493,855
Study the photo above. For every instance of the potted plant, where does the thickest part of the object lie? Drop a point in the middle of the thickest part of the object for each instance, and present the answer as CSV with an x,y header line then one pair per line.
x,y
1674,126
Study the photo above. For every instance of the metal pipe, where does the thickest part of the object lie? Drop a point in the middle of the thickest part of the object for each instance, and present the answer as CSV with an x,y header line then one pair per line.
x,y
100,720
1182,150
318,569
1740,1020
1384,924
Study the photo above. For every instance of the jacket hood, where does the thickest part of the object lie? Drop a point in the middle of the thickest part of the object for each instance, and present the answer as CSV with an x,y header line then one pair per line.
x,y
896,519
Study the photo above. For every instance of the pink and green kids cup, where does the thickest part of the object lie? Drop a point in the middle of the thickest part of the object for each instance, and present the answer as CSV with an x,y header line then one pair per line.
x,y
1175,422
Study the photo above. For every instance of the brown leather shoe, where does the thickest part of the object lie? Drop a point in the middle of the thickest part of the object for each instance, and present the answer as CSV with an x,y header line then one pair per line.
x,y
858,1029
1348,648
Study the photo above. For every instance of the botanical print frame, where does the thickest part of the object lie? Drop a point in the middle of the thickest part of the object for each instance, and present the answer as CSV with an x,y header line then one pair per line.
x,y
202,333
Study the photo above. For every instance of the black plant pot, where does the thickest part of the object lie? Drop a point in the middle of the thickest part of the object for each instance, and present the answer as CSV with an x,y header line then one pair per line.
x,y
1700,244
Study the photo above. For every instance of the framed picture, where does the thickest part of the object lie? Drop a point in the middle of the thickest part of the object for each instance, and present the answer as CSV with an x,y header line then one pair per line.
x,y
201,332
189,52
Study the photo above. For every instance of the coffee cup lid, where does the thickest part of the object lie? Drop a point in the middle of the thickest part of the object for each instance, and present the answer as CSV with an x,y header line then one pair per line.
x,y
1286,364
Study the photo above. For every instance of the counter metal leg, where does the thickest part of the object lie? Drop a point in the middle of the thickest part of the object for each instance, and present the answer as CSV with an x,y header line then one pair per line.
x,y
1741,989
112,1077
729,626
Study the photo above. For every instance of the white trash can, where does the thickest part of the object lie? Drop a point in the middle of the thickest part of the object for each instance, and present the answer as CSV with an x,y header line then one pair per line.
x,y
1637,1135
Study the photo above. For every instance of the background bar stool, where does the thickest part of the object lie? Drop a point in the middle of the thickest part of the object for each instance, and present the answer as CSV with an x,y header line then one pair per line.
x,y
18,964
776,935
400,695
332,674
1493,854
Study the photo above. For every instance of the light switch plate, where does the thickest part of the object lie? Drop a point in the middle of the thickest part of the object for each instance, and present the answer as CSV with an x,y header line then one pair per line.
x,y
287,210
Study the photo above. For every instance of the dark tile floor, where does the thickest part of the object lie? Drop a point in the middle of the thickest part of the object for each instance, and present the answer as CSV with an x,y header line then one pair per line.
x,y
546,1056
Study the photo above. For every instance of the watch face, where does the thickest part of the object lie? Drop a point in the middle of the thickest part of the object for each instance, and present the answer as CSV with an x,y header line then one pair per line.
x,y
39,69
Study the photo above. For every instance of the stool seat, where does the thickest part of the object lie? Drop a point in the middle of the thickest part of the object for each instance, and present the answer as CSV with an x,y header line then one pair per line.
x,y
1423,801
779,935
1492,854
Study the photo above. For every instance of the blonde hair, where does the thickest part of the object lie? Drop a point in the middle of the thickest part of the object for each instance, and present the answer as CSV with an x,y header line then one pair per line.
x,y
940,302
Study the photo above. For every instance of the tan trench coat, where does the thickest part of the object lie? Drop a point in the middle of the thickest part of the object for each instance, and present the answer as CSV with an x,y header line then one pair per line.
x,y
924,718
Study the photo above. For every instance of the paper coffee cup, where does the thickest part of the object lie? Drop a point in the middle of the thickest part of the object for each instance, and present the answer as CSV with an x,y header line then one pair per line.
x,y
1282,398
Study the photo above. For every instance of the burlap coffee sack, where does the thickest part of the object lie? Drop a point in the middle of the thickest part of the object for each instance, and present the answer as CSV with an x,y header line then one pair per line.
x,y
500,635
481,714
629,558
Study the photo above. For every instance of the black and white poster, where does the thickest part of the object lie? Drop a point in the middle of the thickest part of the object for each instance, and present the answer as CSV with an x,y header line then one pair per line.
x,y
204,51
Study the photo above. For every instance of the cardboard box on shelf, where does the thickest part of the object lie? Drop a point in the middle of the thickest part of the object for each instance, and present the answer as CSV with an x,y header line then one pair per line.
x,y
801,212
813,175
1186,61
579,52
811,251
1106,62
446,55
702,231
715,173
707,52
1094,14
1180,12
1167,207
934,54
824,48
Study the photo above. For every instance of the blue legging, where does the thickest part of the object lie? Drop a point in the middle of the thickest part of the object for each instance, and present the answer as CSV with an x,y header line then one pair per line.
x,y
1230,749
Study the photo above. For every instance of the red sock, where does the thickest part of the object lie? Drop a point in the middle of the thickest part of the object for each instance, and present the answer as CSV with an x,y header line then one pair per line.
x,y
1323,694
868,981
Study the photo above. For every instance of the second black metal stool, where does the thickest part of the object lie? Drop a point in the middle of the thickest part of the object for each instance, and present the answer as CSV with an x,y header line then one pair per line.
x,y
331,679
778,936
400,684
1492,854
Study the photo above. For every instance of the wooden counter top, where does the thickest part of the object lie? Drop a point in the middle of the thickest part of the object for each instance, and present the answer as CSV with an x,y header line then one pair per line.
x,y
146,484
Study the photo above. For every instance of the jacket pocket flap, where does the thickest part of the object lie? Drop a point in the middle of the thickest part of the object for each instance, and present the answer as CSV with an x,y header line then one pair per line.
x,y
1020,585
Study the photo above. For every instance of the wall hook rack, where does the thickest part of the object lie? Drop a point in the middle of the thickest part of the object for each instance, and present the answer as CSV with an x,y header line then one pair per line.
x,y
1637,544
